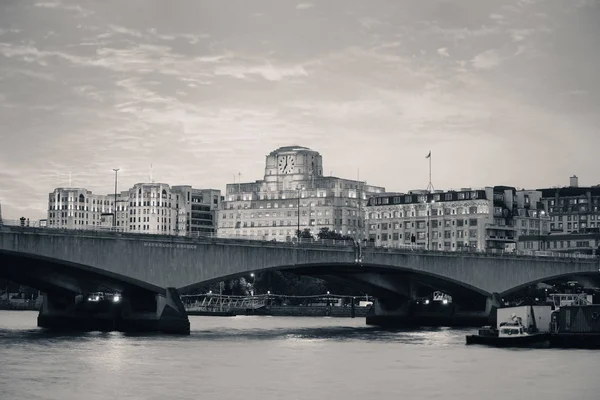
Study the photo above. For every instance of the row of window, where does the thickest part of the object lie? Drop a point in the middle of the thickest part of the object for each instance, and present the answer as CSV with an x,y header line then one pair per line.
x,y
396,236
581,200
426,198
424,212
574,218
573,226
275,214
312,222
446,223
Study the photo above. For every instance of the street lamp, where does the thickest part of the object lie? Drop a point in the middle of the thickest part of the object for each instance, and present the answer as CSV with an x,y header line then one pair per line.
x,y
298,230
252,290
115,200
541,213
429,205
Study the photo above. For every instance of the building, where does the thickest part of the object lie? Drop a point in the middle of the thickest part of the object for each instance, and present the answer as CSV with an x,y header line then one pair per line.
x,y
577,243
152,208
294,195
574,220
77,208
573,208
198,210
465,219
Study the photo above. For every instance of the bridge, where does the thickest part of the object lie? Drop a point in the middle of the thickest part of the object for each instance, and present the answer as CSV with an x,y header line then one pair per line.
x,y
156,268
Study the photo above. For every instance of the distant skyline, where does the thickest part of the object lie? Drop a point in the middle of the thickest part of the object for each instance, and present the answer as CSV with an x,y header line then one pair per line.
x,y
502,92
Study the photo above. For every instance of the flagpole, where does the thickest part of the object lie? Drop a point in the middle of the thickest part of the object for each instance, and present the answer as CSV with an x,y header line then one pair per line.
x,y
430,186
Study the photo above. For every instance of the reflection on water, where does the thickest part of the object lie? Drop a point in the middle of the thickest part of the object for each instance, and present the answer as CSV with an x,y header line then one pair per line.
x,y
277,358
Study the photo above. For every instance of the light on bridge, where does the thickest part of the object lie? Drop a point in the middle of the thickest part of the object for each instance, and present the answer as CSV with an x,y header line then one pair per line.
x,y
116,298
445,301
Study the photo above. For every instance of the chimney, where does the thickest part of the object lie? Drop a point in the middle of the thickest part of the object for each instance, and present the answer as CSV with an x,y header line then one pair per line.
x,y
574,181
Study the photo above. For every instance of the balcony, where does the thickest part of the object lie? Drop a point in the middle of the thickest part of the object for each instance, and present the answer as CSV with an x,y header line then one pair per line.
x,y
500,227
493,238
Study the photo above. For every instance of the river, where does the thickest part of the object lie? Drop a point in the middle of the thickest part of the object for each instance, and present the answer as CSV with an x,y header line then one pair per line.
x,y
266,358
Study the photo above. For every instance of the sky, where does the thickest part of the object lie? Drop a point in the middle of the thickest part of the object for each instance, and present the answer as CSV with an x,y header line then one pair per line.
x,y
502,92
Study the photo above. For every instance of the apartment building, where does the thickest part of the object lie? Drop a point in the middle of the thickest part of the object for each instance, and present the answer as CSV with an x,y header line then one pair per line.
x,y
454,220
152,208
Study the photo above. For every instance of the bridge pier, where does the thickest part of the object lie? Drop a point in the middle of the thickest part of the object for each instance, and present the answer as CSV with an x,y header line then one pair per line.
x,y
145,313
408,313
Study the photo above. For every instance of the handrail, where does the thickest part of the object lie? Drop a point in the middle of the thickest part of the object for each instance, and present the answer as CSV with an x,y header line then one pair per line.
x,y
304,242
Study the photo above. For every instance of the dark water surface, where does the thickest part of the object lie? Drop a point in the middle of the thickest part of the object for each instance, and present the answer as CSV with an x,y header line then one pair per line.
x,y
251,358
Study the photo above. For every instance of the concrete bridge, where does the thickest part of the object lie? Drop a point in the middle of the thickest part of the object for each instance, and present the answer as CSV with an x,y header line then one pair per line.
x,y
59,261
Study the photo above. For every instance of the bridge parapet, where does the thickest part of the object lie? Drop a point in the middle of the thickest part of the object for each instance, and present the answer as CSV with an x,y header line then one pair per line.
x,y
303,244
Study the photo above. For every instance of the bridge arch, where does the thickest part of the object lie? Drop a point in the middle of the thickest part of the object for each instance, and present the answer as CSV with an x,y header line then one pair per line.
x,y
373,278
59,276
560,277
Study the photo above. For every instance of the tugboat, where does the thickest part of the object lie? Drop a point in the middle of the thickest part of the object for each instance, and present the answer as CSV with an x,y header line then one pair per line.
x,y
511,334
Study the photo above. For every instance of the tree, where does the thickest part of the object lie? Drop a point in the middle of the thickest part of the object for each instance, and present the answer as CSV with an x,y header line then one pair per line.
x,y
305,234
326,233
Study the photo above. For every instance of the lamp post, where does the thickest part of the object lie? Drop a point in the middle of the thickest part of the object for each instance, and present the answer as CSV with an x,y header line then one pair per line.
x,y
298,230
541,213
115,200
429,205
252,290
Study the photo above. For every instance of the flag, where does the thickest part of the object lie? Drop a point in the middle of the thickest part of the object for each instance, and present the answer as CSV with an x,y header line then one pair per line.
x,y
428,155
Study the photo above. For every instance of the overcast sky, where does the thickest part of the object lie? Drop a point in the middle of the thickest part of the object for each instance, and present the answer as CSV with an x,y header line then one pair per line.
x,y
502,92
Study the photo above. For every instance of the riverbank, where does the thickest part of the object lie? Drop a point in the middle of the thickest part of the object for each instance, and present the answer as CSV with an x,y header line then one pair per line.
x,y
17,305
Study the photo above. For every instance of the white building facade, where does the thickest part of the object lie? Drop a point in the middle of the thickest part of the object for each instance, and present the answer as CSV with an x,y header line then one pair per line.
x,y
462,220
151,208
293,195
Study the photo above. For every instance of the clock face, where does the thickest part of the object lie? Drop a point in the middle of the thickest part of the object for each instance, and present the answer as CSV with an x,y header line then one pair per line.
x,y
286,164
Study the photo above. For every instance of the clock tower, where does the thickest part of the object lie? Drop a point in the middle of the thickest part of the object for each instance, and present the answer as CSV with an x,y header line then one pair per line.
x,y
293,163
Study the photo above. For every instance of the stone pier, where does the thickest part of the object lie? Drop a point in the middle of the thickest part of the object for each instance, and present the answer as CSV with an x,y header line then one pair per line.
x,y
148,312
410,313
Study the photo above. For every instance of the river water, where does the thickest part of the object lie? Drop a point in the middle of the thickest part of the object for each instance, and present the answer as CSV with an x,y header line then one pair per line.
x,y
251,358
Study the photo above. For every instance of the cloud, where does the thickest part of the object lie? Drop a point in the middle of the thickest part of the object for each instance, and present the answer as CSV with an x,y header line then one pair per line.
x,y
518,35
304,6
126,31
266,71
82,12
487,60
443,52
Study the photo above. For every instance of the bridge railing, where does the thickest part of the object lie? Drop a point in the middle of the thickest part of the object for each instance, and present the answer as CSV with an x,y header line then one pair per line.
x,y
38,224
306,242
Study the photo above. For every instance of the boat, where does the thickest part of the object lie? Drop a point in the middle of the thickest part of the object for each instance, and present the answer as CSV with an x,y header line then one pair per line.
x,y
512,333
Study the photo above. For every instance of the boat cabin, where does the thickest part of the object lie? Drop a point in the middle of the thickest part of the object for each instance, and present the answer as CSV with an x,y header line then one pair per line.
x,y
511,329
